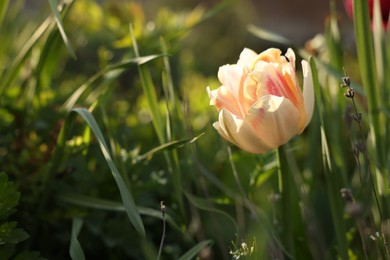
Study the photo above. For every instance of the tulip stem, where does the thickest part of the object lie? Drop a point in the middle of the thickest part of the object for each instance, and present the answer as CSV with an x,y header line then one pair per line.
x,y
287,201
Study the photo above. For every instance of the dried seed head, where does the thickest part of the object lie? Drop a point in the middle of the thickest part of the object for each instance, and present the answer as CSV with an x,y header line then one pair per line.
x,y
350,93
162,207
347,195
346,81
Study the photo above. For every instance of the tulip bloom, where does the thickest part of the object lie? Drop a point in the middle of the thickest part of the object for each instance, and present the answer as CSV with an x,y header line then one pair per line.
x,y
260,103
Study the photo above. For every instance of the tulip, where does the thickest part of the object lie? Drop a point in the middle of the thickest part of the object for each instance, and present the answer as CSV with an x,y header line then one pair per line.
x,y
384,4
260,103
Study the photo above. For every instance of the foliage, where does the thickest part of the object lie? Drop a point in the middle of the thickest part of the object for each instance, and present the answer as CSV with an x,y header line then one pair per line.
x,y
104,114
10,234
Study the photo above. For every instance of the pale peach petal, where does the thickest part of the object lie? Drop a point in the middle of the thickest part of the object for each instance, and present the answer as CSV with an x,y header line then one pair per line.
x,y
308,91
290,54
249,93
271,55
222,99
247,57
232,78
221,131
241,134
274,119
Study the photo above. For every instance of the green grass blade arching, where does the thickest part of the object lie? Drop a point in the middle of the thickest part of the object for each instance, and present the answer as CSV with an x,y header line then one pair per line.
x,y
18,61
72,100
150,93
328,167
366,59
57,17
166,146
204,204
104,204
159,124
75,250
127,199
190,254
3,10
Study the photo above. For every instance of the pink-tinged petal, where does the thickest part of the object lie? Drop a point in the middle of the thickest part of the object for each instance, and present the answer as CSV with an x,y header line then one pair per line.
x,y
222,99
249,93
232,78
308,91
275,120
236,130
247,57
272,82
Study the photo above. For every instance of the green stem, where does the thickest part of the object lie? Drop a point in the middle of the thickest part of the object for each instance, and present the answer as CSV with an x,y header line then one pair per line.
x,y
286,190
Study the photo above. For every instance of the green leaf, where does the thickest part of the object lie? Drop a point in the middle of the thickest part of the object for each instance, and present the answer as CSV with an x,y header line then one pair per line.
x,y
10,234
54,8
27,255
127,199
75,250
9,197
190,254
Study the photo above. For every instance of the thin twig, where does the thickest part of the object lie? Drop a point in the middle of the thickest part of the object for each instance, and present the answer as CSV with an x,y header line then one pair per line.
x,y
358,118
163,210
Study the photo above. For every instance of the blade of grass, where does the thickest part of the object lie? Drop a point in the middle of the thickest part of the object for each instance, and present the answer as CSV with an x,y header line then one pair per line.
x,y
160,128
190,254
75,250
72,100
3,10
329,170
206,205
218,8
166,146
127,199
104,204
54,8
268,35
382,59
367,67
17,63
150,93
